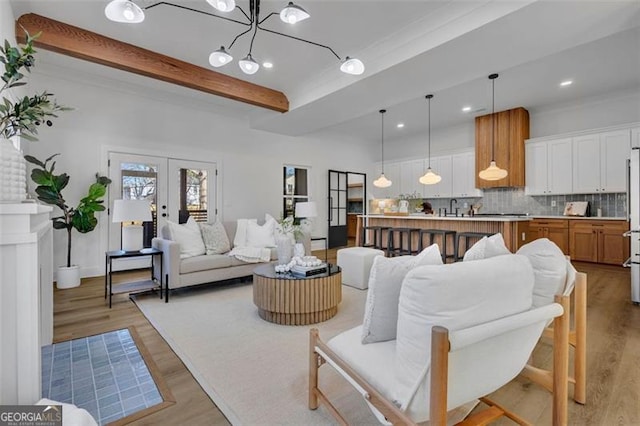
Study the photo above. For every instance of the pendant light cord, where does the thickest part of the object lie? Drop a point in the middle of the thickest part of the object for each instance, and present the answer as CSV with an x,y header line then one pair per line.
x,y
429,128
493,116
382,111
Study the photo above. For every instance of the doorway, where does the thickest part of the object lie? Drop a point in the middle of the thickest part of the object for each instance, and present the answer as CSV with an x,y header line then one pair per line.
x,y
175,189
346,200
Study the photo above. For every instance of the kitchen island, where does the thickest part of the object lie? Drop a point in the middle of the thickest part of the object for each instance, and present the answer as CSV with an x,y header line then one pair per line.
x,y
513,228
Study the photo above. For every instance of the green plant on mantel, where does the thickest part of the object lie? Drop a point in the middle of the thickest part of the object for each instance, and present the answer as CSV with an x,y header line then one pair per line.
x,y
26,114
49,191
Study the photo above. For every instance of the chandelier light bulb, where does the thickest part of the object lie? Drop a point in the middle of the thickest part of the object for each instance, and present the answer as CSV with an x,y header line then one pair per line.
x,y
124,11
352,66
248,65
293,13
430,178
223,5
219,57
382,182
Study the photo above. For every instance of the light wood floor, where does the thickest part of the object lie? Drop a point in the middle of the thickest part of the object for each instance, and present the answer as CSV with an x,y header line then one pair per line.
x,y
613,360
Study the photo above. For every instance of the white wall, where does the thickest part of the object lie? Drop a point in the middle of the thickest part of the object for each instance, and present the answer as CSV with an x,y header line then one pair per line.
x,y
108,117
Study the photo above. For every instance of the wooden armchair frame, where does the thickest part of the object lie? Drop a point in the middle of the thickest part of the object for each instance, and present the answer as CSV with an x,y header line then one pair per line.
x,y
320,353
577,339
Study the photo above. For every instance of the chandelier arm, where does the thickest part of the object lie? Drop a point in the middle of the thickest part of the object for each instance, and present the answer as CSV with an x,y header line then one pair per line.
x,y
244,13
199,11
238,36
301,39
267,17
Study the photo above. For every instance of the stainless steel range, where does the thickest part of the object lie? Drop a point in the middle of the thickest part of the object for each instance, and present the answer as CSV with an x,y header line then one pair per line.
x,y
633,203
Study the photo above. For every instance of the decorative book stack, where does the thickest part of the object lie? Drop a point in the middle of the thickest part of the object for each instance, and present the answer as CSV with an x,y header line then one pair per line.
x,y
308,271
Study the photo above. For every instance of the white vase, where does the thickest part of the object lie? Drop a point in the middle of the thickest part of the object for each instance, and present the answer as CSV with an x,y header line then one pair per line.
x,y
68,277
13,173
285,249
298,250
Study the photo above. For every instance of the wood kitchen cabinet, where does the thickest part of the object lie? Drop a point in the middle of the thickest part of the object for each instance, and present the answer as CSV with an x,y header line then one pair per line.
x,y
556,230
511,130
599,241
352,224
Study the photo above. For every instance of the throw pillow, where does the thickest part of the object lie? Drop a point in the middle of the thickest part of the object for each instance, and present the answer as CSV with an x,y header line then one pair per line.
x,y
240,239
215,238
385,281
188,236
455,296
487,247
549,268
261,235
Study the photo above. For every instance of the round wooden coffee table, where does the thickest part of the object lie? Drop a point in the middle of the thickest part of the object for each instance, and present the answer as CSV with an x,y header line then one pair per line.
x,y
290,300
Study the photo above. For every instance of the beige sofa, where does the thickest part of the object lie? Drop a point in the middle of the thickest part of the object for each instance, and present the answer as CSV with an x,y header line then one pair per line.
x,y
199,269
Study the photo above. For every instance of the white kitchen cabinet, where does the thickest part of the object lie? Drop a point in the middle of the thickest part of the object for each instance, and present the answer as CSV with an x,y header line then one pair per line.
x,y
442,166
548,167
463,179
599,162
410,172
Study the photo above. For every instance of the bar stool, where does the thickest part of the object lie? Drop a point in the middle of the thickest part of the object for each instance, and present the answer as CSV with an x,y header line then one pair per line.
x,y
443,233
403,234
377,236
467,237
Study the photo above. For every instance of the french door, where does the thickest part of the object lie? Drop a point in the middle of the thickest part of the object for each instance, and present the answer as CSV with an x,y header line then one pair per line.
x,y
175,189
337,205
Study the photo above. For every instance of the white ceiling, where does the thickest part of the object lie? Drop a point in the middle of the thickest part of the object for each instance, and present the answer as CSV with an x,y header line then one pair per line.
x,y
409,48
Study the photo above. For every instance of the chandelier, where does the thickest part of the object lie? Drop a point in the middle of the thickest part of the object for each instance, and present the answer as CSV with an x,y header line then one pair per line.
x,y
126,11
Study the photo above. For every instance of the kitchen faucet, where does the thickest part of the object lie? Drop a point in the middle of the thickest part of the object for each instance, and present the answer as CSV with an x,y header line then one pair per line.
x,y
451,206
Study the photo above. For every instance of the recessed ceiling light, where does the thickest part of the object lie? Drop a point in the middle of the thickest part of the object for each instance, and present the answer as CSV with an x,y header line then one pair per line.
x,y
267,64
400,125
466,109
566,83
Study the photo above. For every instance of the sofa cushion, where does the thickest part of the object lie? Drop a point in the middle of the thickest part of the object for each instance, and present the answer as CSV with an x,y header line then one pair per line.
x,y
385,281
487,247
188,236
240,239
454,296
215,238
261,235
549,268
205,262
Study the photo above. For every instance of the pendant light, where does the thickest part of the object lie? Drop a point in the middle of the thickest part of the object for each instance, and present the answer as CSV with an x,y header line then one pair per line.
x,y
493,172
293,13
430,177
382,181
124,11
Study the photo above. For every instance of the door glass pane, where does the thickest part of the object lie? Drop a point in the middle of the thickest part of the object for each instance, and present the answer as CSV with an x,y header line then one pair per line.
x,y
193,195
139,182
343,181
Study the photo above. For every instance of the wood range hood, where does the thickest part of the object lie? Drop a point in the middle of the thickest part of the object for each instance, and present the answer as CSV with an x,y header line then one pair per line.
x,y
511,130
83,44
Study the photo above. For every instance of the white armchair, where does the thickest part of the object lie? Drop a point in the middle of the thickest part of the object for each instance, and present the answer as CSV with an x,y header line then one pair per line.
x,y
464,330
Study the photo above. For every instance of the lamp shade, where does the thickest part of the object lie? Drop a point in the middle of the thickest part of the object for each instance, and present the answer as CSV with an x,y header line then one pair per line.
x,y
307,209
124,11
248,65
223,5
430,178
131,211
382,182
493,172
220,57
293,13
352,66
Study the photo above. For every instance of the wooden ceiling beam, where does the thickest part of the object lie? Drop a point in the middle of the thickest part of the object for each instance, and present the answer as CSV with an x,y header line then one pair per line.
x,y
82,44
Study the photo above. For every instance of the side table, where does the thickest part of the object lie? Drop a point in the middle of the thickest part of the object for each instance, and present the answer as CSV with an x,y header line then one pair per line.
x,y
130,287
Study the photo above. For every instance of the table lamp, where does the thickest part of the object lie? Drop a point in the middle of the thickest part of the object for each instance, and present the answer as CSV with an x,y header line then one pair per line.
x,y
127,212
306,209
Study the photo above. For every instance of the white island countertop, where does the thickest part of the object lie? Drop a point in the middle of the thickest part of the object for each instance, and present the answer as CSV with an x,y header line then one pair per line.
x,y
480,218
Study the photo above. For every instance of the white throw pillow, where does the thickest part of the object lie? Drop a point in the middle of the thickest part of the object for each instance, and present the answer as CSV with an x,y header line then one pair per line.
x,y
550,269
215,238
454,296
487,247
189,237
385,281
261,235
240,239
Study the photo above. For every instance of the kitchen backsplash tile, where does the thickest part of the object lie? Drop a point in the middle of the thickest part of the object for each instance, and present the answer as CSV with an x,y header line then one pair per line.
x,y
514,200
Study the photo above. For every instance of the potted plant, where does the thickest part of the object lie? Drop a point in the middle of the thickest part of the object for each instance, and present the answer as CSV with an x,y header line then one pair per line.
x,y
81,218
21,117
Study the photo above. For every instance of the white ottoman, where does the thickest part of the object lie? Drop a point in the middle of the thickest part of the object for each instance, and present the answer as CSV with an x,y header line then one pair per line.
x,y
355,263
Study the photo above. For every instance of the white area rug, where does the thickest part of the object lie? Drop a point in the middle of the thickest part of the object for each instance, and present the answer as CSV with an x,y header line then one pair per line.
x,y
256,372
